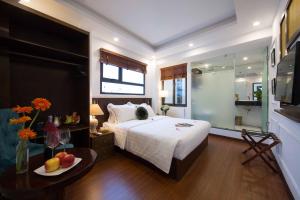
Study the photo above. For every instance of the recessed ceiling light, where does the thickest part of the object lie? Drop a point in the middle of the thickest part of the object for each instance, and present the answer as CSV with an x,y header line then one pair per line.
x,y
206,66
191,44
256,23
249,67
245,58
116,39
223,67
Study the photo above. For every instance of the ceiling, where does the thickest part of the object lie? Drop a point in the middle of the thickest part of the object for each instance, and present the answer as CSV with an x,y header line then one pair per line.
x,y
160,22
164,29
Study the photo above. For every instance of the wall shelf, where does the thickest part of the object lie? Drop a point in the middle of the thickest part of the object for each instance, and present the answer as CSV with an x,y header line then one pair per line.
x,y
34,49
248,103
42,58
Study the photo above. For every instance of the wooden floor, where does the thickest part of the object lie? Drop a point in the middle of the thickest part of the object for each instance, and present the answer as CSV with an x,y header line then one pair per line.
x,y
216,174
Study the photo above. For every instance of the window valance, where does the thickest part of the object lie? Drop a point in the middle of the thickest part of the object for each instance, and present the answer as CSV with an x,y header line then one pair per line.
x,y
172,72
112,58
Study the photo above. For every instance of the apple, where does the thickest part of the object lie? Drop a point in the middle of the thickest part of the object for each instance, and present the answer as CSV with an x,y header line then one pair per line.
x,y
67,161
52,165
61,155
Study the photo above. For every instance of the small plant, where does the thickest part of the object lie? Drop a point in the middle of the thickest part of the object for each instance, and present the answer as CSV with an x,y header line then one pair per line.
x,y
164,109
258,94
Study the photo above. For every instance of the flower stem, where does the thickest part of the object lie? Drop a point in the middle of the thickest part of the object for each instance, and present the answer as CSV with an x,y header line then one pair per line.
x,y
36,115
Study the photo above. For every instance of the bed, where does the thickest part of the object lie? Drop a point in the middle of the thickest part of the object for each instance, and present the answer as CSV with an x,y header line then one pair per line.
x,y
169,144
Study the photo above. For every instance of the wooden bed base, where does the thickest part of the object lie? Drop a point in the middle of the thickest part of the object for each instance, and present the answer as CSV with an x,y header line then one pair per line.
x,y
178,167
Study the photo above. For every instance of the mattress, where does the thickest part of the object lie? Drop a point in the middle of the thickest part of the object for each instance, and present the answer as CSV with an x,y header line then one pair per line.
x,y
188,138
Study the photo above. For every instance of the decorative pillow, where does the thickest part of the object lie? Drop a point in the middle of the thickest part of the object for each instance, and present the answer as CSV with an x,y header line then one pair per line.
x,y
141,113
122,113
149,109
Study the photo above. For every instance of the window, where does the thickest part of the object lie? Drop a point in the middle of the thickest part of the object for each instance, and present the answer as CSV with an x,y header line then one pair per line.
x,y
117,80
174,82
180,87
168,86
121,75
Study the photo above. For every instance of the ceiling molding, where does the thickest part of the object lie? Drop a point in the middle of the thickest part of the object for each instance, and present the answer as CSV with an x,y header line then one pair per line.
x,y
196,32
108,21
179,37
252,40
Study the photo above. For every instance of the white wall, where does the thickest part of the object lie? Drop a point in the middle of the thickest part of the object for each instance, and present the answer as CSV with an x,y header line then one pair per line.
x,y
287,154
251,115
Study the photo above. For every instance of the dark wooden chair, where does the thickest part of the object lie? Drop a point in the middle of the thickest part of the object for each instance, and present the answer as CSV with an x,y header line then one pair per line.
x,y
262,150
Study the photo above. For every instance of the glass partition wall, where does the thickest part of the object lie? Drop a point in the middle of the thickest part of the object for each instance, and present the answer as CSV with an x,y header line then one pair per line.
x,y
230,91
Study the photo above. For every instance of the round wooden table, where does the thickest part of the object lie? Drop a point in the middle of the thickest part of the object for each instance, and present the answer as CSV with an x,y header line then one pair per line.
x,y
33,186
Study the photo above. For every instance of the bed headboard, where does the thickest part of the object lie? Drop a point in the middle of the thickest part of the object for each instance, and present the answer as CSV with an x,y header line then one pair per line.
x,y
103,102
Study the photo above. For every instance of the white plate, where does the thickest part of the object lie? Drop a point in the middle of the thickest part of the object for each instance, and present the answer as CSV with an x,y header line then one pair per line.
x,y
41,170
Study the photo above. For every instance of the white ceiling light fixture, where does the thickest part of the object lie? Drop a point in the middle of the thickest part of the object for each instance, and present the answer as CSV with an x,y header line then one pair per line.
x,y
256,23
191,44
249,67
116,39
206,66
240,80
223,67
245,58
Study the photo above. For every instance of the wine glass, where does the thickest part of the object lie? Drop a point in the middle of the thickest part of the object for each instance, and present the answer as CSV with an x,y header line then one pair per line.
x,y
65,137
52,140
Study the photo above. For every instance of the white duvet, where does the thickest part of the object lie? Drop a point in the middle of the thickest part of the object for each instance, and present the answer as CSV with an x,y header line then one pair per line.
x,y
158,140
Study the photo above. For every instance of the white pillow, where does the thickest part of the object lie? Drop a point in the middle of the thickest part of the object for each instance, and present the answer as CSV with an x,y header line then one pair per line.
x,y
132,104
121,113
112,117
151,113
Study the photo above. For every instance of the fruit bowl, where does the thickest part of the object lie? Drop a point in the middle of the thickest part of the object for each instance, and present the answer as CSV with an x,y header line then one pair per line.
x,y
41,170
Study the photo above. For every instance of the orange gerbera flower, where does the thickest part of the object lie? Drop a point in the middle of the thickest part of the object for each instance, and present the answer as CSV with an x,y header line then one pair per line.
x,y
24,109
20,120
41,104
26,134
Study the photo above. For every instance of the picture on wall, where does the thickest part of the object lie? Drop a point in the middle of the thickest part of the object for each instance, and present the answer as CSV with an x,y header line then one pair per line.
x,y
273,58
283,36
273,86
293,22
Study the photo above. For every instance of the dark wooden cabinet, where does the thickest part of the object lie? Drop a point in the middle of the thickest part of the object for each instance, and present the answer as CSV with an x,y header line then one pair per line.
x,y
103,144
41,56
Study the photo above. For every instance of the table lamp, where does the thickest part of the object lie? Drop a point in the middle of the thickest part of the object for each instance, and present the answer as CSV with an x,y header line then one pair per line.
x,y
95,110
163,95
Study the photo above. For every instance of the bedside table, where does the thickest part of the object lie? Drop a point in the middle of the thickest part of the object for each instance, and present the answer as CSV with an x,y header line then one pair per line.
x,y
103,144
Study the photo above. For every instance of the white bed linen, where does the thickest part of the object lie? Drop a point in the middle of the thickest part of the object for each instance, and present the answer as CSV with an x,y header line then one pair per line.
x,y
158,140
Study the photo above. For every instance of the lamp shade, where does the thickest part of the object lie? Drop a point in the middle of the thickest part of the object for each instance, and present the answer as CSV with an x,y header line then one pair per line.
x,y
163,93
95,110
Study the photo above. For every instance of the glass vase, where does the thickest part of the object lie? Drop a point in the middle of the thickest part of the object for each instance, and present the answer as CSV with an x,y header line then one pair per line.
x,y
22,157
